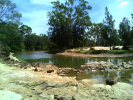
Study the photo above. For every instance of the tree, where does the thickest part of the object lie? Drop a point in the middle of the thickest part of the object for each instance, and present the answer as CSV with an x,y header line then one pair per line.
x,y
68,23
108,23
8,12
95,33
9,26
125,33
12,37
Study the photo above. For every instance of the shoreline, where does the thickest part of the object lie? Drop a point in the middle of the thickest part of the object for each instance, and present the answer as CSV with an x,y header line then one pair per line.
x,y
93,55
49,86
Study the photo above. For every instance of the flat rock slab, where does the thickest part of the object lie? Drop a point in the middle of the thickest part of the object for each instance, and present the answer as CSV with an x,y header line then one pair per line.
x,y
8,95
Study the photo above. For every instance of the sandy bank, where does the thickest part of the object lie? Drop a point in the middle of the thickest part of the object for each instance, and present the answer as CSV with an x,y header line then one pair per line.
x,y
93,55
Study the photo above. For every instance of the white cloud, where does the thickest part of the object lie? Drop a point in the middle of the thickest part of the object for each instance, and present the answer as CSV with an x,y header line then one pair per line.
x,y
123,4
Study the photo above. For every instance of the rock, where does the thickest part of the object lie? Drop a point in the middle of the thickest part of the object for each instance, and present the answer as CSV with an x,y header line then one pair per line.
x,y
124,86
51,84
111,80
98,86
8,95
131,81
43,86
40,82
60,85
35,64
126,66
37,69
51,69
33,84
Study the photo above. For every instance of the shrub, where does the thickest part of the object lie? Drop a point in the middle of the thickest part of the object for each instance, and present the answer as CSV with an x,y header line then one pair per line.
x,y
77,51
92,48
69,51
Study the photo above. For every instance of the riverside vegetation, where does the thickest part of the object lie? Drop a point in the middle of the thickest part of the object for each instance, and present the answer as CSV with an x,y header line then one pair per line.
x,y
67,24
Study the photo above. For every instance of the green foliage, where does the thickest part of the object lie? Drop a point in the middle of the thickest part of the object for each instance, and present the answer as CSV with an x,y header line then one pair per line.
x,y
96,51
77,51
125,33
92,48
69,51
67,23
8,12
21,60
99,51
108,26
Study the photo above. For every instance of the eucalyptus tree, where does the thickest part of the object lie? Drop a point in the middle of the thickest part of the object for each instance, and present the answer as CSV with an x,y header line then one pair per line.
x,y
9,25
108,23
125,33
8,12
95,32
68,22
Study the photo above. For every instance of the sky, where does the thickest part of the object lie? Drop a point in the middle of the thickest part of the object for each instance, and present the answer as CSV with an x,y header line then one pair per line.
x,y
34,12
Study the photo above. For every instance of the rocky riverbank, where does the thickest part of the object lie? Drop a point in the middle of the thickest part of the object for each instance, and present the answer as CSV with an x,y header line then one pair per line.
x,y
44,81
107,66
25,84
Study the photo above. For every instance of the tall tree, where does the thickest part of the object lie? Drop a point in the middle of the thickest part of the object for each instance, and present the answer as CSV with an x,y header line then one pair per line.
x,y
125,33
95,32
9,26
108,23
8,12
68,23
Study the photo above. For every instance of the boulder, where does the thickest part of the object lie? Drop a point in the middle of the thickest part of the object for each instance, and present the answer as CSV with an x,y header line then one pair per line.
x,y
51,69
111,80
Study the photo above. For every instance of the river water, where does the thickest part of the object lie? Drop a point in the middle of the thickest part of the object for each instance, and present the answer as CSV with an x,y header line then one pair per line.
x,y
75,62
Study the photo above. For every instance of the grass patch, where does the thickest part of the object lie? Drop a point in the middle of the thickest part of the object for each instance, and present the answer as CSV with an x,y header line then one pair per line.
x,y
21,60
98,51
121,51
69,51
77,51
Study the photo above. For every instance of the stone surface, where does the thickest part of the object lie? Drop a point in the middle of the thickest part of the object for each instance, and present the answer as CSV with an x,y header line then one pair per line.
x,y
8,95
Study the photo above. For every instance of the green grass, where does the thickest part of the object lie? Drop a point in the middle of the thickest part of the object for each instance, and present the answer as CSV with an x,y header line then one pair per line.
x,y
77,51
121,51
21,60
69,51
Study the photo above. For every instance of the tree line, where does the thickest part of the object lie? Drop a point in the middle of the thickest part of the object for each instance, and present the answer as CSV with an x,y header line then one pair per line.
x,y
14,34
69,27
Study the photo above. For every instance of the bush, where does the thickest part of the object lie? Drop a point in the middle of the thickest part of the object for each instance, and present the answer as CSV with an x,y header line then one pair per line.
x,y
69,51
88,52
77,51
118,51
92,48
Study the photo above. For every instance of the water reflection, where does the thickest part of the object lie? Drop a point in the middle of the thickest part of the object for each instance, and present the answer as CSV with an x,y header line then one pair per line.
x,y
75,62
63,61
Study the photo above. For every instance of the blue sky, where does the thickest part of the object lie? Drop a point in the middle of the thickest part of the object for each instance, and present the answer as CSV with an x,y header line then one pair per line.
x,y
34,12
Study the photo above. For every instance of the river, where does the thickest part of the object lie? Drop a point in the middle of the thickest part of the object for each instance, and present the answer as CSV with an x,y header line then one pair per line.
x,y
75,62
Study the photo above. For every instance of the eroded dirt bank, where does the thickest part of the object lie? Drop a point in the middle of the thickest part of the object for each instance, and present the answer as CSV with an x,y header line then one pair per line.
x,y
25,84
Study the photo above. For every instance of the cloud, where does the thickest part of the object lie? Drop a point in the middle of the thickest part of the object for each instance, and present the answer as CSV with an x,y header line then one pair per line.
x,y
123,4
